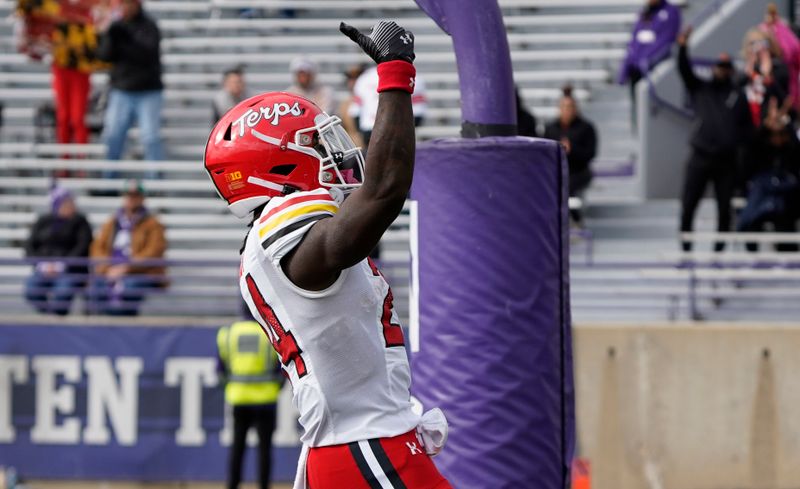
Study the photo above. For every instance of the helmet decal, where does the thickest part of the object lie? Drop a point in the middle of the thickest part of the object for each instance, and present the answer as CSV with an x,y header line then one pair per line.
x,y
273,114
234,179
276,143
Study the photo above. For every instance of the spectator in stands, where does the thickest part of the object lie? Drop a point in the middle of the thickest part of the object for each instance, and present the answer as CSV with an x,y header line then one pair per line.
x,y
365,102
305,84
767,75
132,45
652,38
773,177
65,31
723,126
233,91
526,121
62,233
350,123
131,235
579,138
789,46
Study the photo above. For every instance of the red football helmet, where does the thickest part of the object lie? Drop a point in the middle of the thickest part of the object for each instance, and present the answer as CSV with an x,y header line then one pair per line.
x,y
277,143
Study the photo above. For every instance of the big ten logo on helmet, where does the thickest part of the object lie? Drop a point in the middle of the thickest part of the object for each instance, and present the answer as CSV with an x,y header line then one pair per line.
x,y
234,180
272,114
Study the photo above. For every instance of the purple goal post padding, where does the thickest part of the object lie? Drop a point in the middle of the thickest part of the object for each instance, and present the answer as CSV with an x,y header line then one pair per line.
x,y
485,75
495,349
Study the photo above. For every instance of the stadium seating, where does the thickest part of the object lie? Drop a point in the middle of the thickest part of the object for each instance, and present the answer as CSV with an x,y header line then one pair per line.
x,y
619,270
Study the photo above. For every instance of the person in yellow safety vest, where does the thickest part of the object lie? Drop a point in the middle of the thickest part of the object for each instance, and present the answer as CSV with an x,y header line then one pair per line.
x,y
251,372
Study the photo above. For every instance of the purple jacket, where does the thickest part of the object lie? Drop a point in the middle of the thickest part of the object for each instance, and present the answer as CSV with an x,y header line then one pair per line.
x,y
651,40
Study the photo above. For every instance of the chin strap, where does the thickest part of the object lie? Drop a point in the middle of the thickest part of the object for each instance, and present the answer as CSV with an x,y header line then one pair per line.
x,y
337,194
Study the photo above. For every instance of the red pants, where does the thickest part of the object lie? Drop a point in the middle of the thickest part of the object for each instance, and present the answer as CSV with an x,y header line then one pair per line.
x,y
399,462
71,88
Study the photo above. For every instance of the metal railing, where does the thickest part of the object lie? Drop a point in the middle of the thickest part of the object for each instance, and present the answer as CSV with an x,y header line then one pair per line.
x,y
698,284
686,285
185,288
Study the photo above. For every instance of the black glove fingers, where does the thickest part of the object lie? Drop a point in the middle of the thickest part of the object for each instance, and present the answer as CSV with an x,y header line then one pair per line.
x,y
350,32
386,41
359,38
355,35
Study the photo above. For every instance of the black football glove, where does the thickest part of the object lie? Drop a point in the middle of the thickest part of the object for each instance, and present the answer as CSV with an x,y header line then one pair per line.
x,y
387,41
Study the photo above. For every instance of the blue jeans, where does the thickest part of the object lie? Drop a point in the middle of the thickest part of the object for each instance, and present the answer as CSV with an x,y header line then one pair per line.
x,y
125,108
52,293
121,298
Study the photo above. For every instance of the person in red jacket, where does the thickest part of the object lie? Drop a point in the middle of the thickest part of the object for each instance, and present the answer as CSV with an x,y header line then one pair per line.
x,y
65,29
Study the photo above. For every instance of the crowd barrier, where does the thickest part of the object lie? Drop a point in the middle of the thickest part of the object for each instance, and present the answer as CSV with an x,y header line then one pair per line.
x,y
189,287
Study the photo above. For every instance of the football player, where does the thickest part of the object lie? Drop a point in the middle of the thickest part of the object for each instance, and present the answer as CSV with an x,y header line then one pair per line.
x,y
317,210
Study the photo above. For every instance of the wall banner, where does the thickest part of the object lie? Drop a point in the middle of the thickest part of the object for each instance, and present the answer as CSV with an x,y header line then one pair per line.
x,y
116,403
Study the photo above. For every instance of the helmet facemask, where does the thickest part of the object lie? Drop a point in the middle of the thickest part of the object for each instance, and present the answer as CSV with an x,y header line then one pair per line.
x,y
341,162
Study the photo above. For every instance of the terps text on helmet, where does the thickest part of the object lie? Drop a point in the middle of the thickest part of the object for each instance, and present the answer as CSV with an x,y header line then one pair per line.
x,y
273,114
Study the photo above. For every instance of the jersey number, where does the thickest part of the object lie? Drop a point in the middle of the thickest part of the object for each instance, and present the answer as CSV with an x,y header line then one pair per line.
x,y
392,332
283,341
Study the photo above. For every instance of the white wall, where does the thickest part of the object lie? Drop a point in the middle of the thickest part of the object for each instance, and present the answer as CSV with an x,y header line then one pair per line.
x,y
698,406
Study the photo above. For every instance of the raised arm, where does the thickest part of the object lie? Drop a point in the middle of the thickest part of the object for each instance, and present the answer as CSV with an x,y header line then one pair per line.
x,y
690,80
337,243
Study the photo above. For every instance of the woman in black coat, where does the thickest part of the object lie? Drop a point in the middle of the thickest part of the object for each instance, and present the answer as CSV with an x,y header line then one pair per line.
x,y
579,138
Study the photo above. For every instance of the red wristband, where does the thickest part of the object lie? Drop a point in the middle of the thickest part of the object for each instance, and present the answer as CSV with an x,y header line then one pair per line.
x,y
396,75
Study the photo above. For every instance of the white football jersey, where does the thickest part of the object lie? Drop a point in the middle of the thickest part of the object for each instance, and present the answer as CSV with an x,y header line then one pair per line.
x,y
341,347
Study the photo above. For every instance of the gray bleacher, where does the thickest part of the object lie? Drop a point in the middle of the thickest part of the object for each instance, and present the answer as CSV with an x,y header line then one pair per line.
x,y
552,42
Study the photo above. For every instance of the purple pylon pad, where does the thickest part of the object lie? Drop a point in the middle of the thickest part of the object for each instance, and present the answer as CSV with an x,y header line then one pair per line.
x,y
495,345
